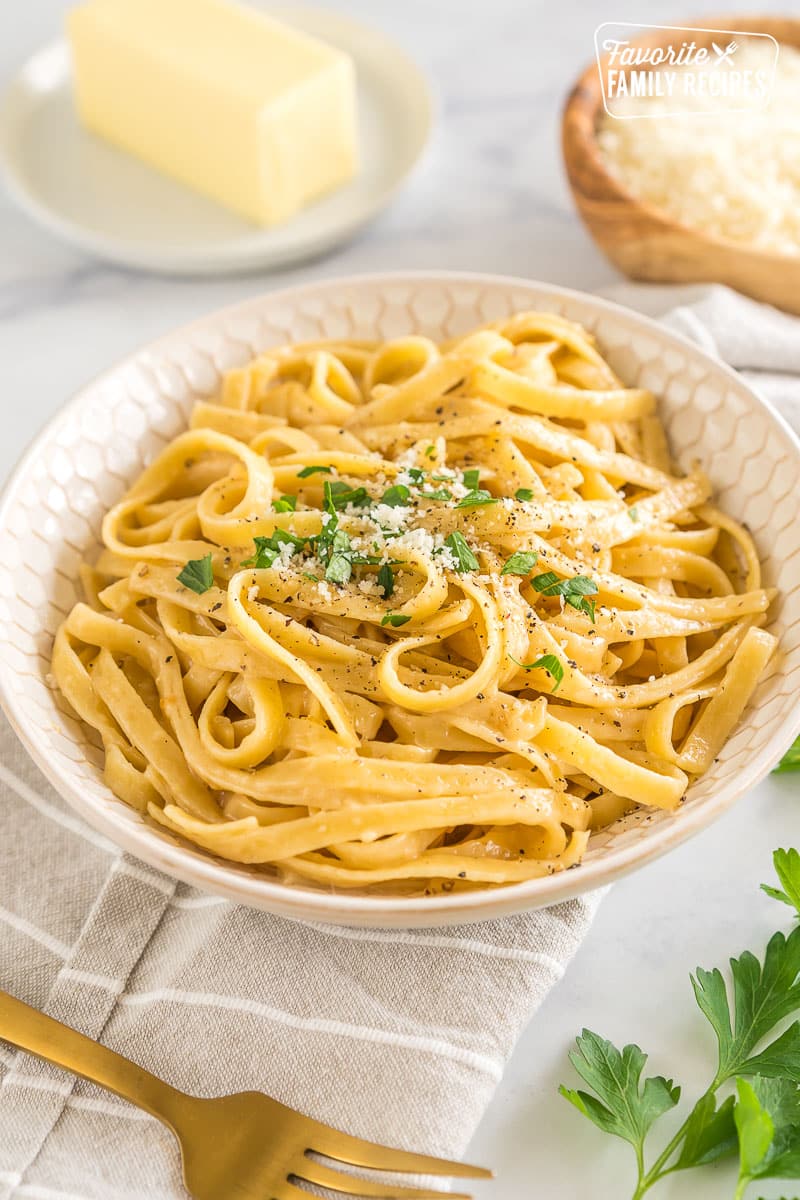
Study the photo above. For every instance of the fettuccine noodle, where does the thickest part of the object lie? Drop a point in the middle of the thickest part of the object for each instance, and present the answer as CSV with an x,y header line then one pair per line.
x,y
415,617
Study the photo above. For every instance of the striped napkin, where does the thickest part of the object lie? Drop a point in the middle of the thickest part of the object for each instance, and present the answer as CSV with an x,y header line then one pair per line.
x,y
397,1036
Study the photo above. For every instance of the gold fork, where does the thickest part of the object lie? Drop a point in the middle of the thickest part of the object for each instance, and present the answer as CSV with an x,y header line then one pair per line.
x,y
240,1147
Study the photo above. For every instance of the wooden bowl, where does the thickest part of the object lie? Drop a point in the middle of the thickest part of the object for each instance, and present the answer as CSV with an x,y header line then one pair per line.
x,y
645,242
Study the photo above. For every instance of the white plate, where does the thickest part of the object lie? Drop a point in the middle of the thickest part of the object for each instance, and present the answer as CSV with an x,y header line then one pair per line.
x,y
111,205
51,511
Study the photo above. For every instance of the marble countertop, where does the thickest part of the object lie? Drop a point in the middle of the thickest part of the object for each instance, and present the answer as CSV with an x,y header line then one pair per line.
x,y
490,196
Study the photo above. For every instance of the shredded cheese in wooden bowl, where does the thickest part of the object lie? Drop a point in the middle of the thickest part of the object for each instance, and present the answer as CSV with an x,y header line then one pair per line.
x,y
732,174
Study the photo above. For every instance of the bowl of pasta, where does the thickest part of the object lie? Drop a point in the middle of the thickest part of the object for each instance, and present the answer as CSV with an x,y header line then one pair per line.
x,y
405,600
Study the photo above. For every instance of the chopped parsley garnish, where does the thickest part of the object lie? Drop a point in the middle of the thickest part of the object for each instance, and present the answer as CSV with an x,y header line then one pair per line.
x,y
386,580
476,497
438,494
395,619
307,471
465,559
339,569
396,496
197,575
523,494
341,494
285,504
310,575
265,554
471,478
415,474
549,663
430,451
339,565
574,591
521,563
280,537
268,548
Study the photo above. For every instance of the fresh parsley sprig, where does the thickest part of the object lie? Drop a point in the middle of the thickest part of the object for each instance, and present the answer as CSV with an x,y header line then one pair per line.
x,y
761,1117
787,868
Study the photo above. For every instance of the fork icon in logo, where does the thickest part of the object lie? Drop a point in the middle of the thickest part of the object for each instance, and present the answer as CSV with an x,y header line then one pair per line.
x,y
726,55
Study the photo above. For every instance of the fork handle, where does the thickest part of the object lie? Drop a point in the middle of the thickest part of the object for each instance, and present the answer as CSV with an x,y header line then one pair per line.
x,y
47,1038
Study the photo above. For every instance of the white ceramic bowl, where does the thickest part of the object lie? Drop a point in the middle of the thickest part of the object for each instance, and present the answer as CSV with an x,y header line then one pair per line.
x,y
81,462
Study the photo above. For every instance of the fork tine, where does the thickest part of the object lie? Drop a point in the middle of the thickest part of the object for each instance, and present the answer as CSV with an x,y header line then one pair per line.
x,y
357,1152
314,1172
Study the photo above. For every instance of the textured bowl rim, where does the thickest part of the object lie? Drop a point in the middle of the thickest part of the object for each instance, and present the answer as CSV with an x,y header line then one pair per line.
x,y
214,875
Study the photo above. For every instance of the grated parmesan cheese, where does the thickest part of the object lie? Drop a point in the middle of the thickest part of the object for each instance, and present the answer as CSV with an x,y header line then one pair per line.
x,y
734,175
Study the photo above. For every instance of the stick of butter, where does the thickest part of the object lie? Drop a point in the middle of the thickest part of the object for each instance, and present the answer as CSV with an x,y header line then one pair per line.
x,y
258,116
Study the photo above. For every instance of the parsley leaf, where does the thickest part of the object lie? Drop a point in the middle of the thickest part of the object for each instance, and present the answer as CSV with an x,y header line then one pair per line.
x,y
574,591
465,559
386,580
415,474
198,574
285,504
477,497
787,868
762,996
768,1123
395,619
521,563
791,759
396,496
341,494
626,1107
471,478
549,663
264,556
430,451
339,568
281,537
438,494
710,1133
308,471
523,494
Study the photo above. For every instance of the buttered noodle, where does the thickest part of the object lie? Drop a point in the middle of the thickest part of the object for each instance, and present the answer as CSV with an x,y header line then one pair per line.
x,y
459,610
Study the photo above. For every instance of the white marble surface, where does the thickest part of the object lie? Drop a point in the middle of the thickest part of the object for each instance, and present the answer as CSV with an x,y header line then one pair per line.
x,y
490,196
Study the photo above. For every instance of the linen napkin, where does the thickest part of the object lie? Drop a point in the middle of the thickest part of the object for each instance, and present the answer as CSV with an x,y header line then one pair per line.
x,y
398,1036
